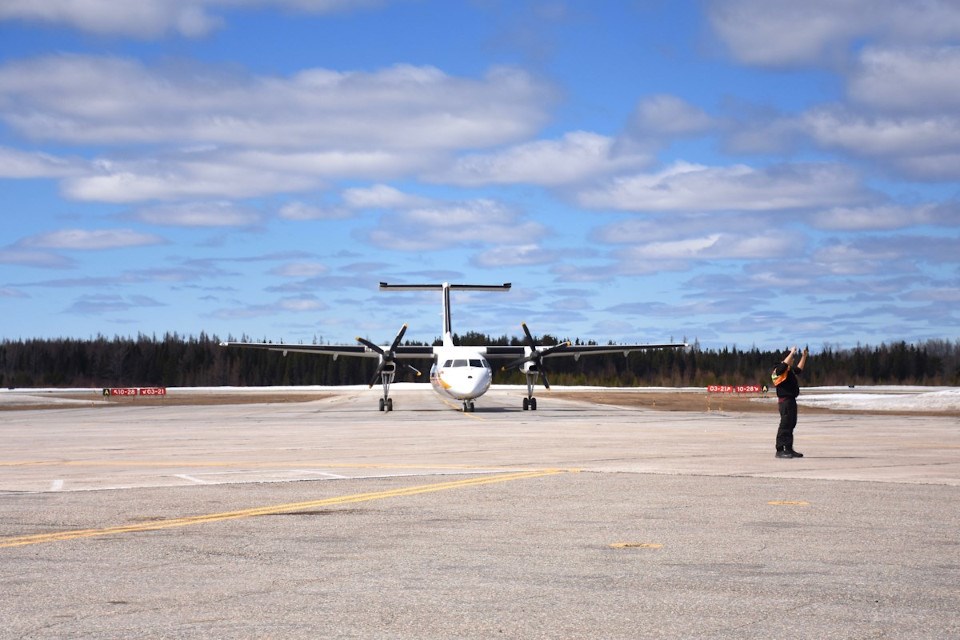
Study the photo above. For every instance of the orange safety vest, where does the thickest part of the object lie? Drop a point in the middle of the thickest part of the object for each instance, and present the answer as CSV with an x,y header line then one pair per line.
x,y
777,379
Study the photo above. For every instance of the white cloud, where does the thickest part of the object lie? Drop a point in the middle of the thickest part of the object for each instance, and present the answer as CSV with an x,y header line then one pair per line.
x,y
673,244
886,216
848,259
375,164
926,146
759,130
198,214
170,180
666,115
149,19
648,229
32,258
304,304
10,292
26,164
576,157
304,211
141,19
298,304
102,304
713,246
785,32
300,270
213,132
901,113
514,256
692,187
914,80
381,196
450,226
934,166
776,32
899,254
83,240
108,100
945,294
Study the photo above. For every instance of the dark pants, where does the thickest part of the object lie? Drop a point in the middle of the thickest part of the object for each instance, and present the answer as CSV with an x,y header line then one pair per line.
x,y
788,420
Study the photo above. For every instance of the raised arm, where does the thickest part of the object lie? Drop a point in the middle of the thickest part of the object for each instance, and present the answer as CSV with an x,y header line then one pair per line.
x,y
788,359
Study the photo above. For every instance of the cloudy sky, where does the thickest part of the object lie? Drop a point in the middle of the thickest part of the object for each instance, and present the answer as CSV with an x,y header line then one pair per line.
x,y
738,172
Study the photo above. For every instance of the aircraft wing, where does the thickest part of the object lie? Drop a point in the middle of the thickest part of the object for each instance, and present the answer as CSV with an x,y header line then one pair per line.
x,y
335,350
576,351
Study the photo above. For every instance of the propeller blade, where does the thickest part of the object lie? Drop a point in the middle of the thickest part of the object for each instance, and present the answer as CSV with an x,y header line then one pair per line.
x,y
370,345
536,355
515,363
396,341
388,356
376,375
556,347
526,331
413,369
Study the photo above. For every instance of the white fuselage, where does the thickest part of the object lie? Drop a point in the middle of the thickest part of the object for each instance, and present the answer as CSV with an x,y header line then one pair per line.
x,y
461,373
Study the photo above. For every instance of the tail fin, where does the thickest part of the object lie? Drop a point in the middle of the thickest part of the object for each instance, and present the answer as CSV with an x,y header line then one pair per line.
x,y
445,287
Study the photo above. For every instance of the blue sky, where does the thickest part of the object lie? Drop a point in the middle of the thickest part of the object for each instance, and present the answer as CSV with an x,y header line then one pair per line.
x,y
737,172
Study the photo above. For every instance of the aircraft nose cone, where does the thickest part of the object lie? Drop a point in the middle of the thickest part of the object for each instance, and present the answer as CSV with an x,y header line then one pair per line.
x,y
480,383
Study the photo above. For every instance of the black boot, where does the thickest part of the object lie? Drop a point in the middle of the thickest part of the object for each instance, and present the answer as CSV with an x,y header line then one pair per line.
x,y
784,453
795,454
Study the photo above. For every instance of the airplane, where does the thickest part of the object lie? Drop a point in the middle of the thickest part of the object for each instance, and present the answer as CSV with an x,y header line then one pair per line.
x,y
458,372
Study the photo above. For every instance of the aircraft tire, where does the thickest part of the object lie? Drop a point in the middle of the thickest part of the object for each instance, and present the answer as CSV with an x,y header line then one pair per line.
x,y
382,404
389,404
533,404
526,404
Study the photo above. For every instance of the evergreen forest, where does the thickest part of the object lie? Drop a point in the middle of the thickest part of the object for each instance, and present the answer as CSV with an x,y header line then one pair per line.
x,y
177,361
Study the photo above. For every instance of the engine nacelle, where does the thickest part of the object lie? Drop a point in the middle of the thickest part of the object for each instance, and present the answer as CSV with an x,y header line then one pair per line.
x,y
530,366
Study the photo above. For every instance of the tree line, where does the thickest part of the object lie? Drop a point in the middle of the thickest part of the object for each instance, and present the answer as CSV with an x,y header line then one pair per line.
x,y
200,361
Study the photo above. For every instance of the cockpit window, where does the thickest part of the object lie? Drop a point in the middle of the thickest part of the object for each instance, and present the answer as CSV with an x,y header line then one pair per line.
x,y
478,363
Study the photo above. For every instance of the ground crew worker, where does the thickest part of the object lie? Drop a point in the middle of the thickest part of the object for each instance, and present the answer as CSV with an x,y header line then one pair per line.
x,y
788,388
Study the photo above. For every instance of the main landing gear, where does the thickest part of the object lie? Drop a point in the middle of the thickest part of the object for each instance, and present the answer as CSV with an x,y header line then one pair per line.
x,y
530,403
386,379
531,364
387,368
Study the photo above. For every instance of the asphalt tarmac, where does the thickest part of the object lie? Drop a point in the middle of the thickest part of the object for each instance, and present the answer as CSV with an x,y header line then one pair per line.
x,y
330,519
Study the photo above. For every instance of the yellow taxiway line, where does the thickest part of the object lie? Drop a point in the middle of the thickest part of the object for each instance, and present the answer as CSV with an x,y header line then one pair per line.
x,y
298,464
60,536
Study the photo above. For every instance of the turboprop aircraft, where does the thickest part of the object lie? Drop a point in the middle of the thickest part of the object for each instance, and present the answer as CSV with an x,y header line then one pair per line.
x,y
461,373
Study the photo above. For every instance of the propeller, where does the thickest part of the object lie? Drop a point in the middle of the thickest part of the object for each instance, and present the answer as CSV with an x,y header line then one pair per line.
x,y
536,356
388,356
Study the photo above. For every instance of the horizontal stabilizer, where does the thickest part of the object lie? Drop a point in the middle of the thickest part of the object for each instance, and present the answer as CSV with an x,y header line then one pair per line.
x,y
439,287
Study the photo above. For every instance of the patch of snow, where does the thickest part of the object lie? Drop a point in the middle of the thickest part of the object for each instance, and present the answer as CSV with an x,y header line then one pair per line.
x,y
897,399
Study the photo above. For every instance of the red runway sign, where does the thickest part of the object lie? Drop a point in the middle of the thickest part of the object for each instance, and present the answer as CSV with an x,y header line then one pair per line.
x,y
135,391
153,391
744,388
